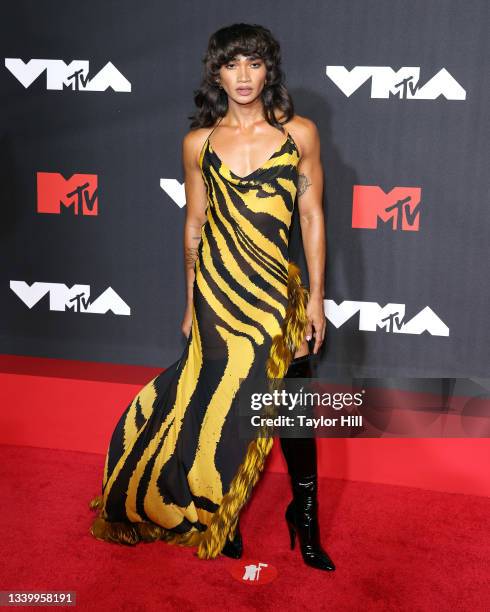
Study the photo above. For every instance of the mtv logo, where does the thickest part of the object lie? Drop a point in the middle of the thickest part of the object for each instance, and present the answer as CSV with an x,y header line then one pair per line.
x,y
389,318
74,76
400,207
402,84
78,193
76,298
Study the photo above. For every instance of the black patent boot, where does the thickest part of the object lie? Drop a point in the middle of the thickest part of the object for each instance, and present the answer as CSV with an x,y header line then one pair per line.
x,y
302,521
302,512
234,548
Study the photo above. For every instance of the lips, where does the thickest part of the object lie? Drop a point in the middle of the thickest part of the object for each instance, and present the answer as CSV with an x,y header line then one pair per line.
x,y
244,90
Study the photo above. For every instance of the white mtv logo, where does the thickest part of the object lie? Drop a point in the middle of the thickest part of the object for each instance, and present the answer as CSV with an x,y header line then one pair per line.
x,y
390,318
60,75
76,298
403,82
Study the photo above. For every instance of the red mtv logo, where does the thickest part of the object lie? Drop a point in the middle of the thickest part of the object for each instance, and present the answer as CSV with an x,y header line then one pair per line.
x,y
78,193
400,206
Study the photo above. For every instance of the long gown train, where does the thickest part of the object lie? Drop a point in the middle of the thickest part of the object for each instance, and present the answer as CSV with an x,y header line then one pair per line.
x,y
176,468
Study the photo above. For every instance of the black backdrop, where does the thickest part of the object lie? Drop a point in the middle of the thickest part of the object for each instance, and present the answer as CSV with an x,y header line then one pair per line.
x,y
410,129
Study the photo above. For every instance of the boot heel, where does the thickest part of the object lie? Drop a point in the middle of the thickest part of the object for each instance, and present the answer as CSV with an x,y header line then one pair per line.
x,y
234,548
292,534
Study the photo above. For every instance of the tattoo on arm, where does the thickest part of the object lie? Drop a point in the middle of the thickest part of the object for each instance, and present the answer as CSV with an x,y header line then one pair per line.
x,y
303,184
192,252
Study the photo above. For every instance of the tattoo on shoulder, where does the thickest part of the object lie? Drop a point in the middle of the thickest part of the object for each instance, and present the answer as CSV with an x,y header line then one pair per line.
x,y
303,184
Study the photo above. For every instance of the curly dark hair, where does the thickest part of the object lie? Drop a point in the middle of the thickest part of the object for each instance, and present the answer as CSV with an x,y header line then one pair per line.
x,y
250,40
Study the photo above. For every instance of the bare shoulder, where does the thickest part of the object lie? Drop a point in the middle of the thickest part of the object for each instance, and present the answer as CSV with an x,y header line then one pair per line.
x,y
304,132
192,144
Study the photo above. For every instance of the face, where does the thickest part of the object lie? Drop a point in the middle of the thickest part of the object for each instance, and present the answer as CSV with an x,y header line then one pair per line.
x,y
243,78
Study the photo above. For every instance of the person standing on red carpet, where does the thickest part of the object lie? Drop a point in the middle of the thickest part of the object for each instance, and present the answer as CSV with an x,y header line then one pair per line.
x,y
176,469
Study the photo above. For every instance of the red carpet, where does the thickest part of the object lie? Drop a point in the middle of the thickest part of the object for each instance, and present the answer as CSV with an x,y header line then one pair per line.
x,y
396,548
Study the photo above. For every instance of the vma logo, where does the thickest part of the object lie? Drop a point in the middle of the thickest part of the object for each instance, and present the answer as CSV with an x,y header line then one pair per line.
x,y
400,207
175,190
402,84
391,318
56,194
74,76
76,299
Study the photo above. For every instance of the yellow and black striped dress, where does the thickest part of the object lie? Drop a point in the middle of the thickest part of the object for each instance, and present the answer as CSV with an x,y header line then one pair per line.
x,y
175,469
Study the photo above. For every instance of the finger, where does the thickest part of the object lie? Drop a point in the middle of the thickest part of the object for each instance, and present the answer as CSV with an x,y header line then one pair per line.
x,y
318,341
320,334
308,331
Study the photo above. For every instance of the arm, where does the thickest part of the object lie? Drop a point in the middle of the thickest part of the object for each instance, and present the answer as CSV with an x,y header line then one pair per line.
x,y
310,208
195,216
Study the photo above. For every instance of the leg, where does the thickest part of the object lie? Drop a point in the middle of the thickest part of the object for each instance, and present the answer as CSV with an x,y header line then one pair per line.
x,y
302,512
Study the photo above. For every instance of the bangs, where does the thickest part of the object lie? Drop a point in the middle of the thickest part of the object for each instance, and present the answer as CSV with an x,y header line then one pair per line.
x,y
245,43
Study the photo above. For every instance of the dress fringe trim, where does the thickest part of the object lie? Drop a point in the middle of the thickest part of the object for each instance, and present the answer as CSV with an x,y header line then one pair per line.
x,y
223,523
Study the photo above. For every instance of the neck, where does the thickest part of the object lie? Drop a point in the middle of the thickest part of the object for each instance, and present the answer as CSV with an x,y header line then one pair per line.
x,y
244,115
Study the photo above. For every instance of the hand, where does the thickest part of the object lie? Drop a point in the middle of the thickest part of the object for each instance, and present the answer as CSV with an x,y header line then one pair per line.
x,y
316,321
187,322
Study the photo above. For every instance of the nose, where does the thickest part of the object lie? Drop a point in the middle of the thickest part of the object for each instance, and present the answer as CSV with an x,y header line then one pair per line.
x,y
243,75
